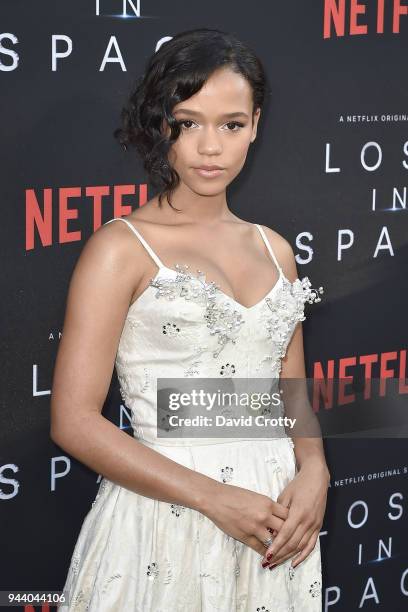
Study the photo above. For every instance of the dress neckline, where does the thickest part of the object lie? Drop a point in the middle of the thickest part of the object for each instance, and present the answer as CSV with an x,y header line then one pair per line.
x,y
270,292
246,309
162,266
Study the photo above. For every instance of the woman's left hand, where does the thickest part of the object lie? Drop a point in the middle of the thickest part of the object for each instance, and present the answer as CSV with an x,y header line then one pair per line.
x,y
305,496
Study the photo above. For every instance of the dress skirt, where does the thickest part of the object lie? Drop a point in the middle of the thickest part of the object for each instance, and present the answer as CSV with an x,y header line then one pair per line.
x,y
137,554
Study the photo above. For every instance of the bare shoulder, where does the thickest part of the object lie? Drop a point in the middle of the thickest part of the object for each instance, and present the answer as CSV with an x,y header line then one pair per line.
x,y
112,244
283,251
113,255
122,242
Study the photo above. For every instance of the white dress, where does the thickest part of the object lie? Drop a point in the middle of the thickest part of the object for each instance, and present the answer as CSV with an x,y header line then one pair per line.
x,y
137,554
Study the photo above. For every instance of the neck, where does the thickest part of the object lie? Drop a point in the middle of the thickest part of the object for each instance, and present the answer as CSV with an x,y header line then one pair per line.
x,y
197,208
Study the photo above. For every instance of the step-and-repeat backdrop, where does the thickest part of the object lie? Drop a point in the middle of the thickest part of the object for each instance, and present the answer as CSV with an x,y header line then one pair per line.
x,y
329,171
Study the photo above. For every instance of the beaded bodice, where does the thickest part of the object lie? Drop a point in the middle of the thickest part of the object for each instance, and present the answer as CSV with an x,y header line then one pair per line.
x,y
184,325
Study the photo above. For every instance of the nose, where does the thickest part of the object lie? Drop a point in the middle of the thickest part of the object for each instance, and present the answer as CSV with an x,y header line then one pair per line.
x,y
209,142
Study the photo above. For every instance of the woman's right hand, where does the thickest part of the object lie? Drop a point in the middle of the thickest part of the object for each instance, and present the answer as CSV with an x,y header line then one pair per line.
x,y
247,516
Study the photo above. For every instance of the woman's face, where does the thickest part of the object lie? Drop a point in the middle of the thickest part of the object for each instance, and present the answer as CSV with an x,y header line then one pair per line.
x,y
216,130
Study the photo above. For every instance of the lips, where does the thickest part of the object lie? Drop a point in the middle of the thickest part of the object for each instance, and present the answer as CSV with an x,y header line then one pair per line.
x,y
209,168
213,172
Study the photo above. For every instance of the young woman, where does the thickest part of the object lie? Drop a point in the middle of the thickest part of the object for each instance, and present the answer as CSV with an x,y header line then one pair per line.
x,y
184,288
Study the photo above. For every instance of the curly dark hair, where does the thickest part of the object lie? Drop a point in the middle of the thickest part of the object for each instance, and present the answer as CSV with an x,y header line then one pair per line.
x,y
175,72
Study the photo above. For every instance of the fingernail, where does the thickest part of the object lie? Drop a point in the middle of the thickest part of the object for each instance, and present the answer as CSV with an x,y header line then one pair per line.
x,y
265,564
272,565
269,557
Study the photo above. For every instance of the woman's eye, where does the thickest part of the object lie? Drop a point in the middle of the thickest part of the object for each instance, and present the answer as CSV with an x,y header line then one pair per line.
x,y
240,125
185,121
234,124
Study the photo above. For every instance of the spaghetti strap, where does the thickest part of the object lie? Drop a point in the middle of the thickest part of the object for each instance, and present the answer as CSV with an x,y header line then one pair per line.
x,y
268,246
148,248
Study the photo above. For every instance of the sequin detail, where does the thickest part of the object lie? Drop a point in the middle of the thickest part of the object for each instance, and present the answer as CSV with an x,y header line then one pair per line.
x,y
222,319
285,312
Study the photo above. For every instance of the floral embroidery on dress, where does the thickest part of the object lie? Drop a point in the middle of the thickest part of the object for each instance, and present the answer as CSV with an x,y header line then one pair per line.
x,y
291,571
80,603
227,369
286,311
315,588
170,329
266,359
168,578
133,323
193,367
109,580
152,570
274,461
223,320
145,385
75,562
177,509
124,386
227,474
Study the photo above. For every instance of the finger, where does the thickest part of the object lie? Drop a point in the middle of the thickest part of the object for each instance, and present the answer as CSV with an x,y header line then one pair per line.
x,y
282,538
306,550
281,557
289,545
306,537
296,548
280,511
265,536
292,549
274,525
271,564
253,542
269,531
257,540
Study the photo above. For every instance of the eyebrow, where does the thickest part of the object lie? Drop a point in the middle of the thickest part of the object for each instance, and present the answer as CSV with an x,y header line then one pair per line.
x,y
187,111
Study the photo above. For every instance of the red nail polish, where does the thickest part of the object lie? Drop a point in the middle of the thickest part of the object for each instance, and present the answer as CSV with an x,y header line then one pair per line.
x,y
265,564
269,557
272,566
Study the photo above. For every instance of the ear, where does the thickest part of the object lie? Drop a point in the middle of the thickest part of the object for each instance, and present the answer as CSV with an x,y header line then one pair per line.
x,y
255,120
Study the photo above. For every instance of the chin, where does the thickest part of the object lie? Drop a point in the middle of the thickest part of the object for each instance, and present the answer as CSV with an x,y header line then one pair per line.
x,y
210,190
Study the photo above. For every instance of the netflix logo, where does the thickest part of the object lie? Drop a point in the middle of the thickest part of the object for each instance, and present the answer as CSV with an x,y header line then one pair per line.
x,y
351,17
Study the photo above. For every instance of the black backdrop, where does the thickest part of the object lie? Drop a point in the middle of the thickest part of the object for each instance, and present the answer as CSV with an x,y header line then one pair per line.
x,y
319,157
